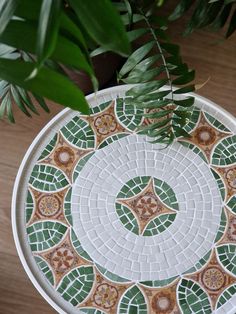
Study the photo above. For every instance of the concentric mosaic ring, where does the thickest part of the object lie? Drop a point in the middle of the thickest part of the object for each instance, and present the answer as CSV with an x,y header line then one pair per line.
x,y
113,224
156,257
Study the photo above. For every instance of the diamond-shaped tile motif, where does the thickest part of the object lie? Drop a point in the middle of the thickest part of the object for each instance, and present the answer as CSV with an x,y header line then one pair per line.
x,y
205,136
145,205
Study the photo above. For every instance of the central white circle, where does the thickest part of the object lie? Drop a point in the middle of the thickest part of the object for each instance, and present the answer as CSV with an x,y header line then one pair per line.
x,y
124,253
64,156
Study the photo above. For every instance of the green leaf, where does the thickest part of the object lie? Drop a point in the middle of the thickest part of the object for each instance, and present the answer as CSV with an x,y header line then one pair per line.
x,y
48,27
171,48
103,24
180,9
65,51
180,132
4,104
185,89
159,114
232,25
187,102
152,104
18,101
26,99
136,33
62,90
135,58
185,78
7,9
144,77
41,102
146,88
155,125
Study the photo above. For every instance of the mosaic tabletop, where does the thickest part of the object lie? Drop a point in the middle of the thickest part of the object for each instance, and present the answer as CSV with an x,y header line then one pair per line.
x,y
106,222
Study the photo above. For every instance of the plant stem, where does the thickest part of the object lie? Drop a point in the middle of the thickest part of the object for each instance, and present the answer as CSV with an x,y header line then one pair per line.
x,y
162,57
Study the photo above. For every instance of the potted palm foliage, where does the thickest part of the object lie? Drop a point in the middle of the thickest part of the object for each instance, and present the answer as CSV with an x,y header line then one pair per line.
x,y
43,42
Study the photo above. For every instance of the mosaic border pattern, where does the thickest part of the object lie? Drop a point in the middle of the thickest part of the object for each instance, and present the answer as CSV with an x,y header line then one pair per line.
x,y
70,270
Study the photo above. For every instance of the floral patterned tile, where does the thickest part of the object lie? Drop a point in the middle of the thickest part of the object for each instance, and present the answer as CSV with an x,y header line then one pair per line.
x,y
116,225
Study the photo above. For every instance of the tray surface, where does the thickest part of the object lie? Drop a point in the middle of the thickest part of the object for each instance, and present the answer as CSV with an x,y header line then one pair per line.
x,y
106,222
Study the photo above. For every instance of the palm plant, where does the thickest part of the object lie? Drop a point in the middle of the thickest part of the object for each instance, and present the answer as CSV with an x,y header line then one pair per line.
x,y
39,38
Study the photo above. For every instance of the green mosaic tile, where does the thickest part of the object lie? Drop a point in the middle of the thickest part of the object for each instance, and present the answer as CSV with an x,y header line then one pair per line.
x,y
127,218
128,115
45,268
159,224
112,139
81,163
45,234
192,298
29,207
225,152
227,256
220,183
67,207
193,120
199,264
166,194
231,204
133,187
158,283
78,247
194,148
91,311
99,108
79,133
47,178
133,301
49,148
111,276
76,286
226,295
221,230
216,123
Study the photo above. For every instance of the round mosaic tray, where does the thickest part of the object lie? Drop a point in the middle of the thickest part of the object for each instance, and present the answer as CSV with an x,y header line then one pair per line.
x,y
106,222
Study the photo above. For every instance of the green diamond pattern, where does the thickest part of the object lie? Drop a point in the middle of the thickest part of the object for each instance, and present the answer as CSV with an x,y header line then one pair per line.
x,y
44,235
47,178
76,285
79,133
192,298
132,302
